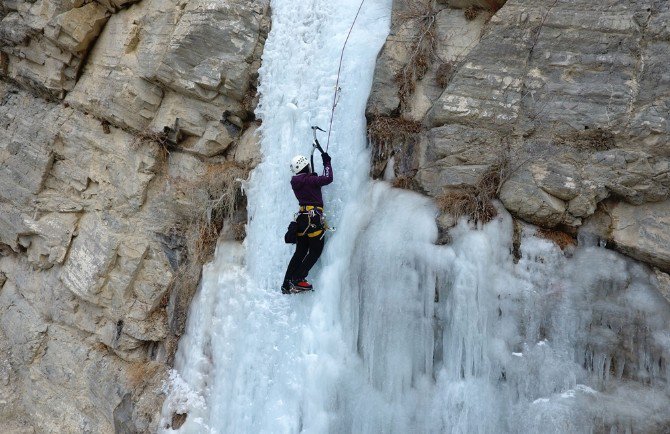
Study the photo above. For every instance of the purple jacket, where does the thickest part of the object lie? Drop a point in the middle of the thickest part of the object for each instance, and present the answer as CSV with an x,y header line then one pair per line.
x,y
307,186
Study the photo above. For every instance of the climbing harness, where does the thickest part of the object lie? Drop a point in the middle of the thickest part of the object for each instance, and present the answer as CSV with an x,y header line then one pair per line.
x,y
316,221
339,69
316,224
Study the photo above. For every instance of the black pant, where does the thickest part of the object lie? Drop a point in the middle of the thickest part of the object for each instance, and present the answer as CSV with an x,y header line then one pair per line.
x,y
307,252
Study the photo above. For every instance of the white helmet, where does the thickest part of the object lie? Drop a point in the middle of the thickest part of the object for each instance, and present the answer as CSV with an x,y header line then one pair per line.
x,y
298,163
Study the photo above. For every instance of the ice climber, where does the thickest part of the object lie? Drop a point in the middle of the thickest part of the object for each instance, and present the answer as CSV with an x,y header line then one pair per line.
x,y
311,224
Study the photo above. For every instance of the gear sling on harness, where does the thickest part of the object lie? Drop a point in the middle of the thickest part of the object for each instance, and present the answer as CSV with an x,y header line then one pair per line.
x,y
309,221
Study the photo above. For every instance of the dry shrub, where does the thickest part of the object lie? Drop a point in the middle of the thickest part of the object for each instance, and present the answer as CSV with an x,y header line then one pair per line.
x,y
239,231
206,235
491,181
406,182
589,140
561,239
217,195
466,203
389,136
178,419
420,19
249,101
443,74
137,373
181,289
475,202
471,13
201,207
224,182
402,182
4,63
385,131
99,346
597,140
149,138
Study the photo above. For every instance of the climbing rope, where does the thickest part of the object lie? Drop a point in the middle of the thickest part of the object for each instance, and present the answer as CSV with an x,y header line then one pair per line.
x,y
339,69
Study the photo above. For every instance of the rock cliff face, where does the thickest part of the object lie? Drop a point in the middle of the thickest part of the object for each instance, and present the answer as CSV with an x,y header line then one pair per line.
x,y
562,105
125,128
559,109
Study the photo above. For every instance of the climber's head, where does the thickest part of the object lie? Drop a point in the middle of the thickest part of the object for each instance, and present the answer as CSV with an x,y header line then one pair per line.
x,y
299,164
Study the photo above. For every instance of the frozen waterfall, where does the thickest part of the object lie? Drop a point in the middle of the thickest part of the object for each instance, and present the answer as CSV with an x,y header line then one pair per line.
x,y
402,335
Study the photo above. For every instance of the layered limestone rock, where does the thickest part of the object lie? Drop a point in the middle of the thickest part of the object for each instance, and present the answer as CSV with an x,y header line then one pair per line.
x,y
119,119
640,231
121,123
44,43
559,109
568,102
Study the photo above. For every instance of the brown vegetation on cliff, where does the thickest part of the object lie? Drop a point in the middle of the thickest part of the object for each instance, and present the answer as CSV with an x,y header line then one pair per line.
x,y
476,202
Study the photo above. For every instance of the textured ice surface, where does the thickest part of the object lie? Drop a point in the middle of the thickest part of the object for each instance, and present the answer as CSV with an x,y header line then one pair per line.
x,y
402,335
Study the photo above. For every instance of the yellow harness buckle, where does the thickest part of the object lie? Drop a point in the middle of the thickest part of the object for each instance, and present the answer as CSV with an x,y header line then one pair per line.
x,y
310,207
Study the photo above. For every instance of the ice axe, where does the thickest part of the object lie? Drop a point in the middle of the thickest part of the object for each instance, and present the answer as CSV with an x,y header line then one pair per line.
x,y
316,142
315,145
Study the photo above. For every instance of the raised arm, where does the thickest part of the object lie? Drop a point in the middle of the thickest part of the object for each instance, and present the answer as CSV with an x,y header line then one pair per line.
x,y
327,176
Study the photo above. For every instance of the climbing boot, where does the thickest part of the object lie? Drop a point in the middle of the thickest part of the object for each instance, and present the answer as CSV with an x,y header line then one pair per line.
x,y
286,287
300,286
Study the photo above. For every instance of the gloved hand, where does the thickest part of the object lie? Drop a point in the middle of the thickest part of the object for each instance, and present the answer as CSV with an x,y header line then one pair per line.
x,y
325,157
